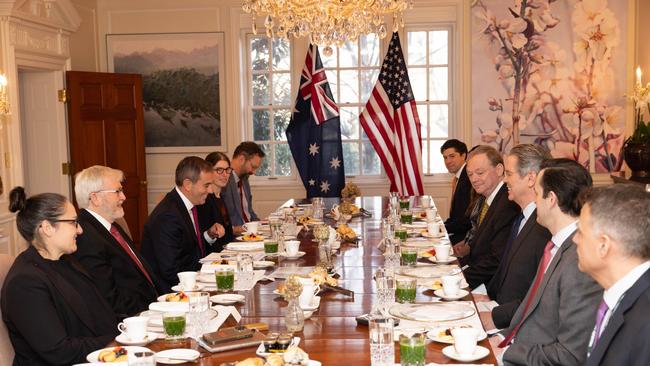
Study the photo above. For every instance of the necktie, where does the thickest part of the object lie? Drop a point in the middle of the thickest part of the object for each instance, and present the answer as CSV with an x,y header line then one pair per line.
x,y
120,239
195,215
600,316
514,232
454,184
538,279
241,200
484,210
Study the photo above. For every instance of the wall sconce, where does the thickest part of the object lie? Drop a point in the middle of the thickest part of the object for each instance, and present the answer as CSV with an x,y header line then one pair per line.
x,y
4,103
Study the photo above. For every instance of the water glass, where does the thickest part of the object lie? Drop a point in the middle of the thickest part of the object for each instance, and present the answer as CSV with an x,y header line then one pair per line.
x,y
245,272
317,205
412,349
405,290
385,282
387,229
382,349
199,305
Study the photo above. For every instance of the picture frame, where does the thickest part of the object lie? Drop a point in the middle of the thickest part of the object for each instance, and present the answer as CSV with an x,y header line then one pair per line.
x,y
183,87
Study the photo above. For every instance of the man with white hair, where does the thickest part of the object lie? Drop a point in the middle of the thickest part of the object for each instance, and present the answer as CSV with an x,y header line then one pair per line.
x,y
119,272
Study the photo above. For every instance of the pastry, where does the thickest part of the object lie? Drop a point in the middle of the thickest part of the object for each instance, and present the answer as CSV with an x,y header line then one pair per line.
x,y
295,356
251,361
274,360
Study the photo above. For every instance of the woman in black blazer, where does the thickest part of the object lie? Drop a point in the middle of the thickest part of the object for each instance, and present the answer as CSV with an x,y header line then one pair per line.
x,y
213,203
53,312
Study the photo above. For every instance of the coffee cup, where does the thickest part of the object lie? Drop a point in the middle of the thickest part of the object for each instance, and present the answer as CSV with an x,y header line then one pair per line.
x,y
433,228
292,246
442,251
307,295
134,328
450,285
425,201
187,280
465,340
251,227
431,213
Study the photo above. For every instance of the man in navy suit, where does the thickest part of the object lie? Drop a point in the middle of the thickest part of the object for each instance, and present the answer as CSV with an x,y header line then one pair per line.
x,y
613,245
246,159
454,153
120,273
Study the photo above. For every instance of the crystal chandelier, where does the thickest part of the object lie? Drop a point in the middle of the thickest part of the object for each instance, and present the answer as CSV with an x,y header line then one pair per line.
x,y
326,22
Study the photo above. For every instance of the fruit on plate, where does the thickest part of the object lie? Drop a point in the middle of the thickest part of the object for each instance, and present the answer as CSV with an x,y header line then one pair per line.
x,y
251,361
177,297
116,354
346,232
305,220
251,237
428,253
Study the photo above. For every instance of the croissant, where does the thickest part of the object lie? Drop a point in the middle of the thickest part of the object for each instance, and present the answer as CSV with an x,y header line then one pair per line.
x,y
274,360
251,361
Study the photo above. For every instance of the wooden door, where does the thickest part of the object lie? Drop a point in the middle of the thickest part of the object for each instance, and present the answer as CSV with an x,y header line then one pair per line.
x,y
106,124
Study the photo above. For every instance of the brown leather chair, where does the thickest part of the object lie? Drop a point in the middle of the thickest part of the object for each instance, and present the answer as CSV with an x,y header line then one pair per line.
x,y
6,349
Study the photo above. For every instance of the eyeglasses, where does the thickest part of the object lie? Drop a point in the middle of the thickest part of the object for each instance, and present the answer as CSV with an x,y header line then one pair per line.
x,y
222,170
118,191
70,221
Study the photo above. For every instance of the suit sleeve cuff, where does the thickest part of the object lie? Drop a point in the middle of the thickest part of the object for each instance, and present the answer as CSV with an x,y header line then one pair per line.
x,y
208,239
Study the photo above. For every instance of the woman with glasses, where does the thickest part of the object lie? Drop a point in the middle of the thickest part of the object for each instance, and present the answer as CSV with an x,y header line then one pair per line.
x,y
214,204
53,312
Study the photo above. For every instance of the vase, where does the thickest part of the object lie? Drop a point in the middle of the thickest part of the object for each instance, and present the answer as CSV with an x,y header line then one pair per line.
x,y
637,157
294,318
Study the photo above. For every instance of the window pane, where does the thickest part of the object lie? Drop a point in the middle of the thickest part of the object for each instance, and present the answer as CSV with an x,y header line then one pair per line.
x,y
348,55
351,158
438,48
371,164
426,169
264,169
349,86
261,129
333,81
261,90
280,122
281,54
424,116
439,120
418,83
259,53
369,50
281,88
282,160
368,80
349,123
437,164
438,83
417,50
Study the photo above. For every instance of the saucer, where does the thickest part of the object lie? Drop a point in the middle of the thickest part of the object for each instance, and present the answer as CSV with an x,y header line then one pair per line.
x,y
435,260
315,303
479,353
93,357
227,299
178,288
441,293
177,356
123,339
263,264
298,255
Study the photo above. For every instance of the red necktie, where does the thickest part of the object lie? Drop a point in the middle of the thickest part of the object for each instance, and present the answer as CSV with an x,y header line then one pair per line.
x,y
538,279
195,215
241,200
120,239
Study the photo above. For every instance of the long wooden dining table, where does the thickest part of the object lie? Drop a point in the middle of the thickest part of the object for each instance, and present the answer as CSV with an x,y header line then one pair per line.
x,y
331,335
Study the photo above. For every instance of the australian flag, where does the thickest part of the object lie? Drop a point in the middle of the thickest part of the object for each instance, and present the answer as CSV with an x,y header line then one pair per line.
x,y
314,132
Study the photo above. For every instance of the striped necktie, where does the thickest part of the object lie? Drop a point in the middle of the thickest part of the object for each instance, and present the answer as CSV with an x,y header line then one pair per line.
x,y
484,210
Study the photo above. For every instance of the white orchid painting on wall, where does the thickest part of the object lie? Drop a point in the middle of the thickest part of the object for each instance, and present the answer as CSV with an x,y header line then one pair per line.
x,y
551,78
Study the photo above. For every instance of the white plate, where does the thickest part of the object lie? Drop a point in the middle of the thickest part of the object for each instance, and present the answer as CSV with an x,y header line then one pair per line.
x,y
169,306
227,299
429,271
315,303
123,339
260,238
434,312
260,350
169,356
263,264
178,288
441,293
479,353
425,233
298,255
92,357
434,335
246,246
435,260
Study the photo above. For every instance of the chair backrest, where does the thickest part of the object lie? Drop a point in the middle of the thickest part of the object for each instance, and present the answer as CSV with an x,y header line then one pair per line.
x,y
6,349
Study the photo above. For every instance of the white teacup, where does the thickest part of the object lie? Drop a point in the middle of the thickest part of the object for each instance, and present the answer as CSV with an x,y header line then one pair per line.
x,y
425,201
291,247
465,340
187,280
306,297
433,228
251,227
442,251
450,284
431,213
135,328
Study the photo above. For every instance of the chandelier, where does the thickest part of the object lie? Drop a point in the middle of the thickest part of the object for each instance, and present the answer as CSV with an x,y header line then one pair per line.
x,y
326,22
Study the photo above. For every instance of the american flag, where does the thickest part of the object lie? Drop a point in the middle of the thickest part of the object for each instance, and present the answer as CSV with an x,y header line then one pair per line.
x,y
390,119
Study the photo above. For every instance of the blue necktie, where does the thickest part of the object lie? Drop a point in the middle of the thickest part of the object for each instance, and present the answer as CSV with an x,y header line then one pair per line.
x,y
513,233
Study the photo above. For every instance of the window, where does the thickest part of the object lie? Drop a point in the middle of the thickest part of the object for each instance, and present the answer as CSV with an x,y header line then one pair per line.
x,y
427,60
352,72
269,95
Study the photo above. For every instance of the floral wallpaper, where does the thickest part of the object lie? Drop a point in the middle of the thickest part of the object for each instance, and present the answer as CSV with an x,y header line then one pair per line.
x,y
553,73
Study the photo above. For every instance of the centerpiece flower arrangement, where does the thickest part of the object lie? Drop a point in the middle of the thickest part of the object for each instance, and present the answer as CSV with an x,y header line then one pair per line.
x,y
348,194
294,317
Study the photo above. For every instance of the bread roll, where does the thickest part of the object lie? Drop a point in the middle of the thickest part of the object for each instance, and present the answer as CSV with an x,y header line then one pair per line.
x,y
251,361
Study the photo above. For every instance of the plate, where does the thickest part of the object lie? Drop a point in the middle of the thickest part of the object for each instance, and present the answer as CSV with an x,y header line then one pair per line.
x,y
429,271
260,350
298,255
425,233
178,288
434,312
437,284
92,357
315,303
177,356
169,306
245,246
123,339
435,260
227,299
436,334
263,264
479,353
441,293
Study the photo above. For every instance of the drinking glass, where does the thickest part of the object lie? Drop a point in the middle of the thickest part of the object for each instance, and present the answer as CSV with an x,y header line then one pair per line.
x,y
225,279
199,305
401,233
406,216
405,290
409,256
245,272
404,203
271,246
317,206
411,349
385,282
382,349
174,325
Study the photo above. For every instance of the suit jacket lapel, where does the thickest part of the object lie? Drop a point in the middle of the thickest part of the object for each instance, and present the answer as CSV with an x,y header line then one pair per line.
x,y
185,215
516,244
490,213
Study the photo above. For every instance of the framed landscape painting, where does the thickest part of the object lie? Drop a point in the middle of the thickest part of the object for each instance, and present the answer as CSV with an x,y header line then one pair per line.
x,y
182,87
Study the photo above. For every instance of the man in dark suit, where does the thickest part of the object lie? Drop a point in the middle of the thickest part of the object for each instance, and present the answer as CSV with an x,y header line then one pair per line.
x,y
120,273
237,195
483,252
527,238
613,247
553,322
173,239
454,153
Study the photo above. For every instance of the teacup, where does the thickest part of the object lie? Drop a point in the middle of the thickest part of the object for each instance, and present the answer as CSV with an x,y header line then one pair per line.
x,y
187,280
251,227
450,285
442,251
292,246
431,213
465,340
425,201
307,295
134,328
433,228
